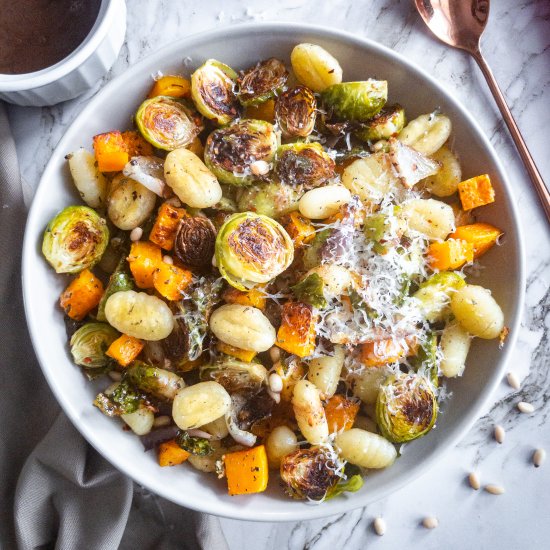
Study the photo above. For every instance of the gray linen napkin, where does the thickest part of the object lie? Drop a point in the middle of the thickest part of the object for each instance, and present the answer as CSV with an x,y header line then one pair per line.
x,y
67,496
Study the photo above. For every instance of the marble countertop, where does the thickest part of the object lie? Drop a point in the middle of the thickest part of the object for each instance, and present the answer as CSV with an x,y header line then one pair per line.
x,y
517,46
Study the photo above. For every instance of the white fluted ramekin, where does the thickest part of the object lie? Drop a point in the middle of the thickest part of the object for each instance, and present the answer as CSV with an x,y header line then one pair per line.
x,y
79,71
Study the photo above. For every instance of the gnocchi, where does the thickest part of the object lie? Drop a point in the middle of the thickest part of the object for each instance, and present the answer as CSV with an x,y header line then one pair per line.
x,y
129,203
445,182
325,371
455,345
140,421
322,202
309,412
315,67
139,315
280,442
431,218
89,181
197,405
365,449
427,133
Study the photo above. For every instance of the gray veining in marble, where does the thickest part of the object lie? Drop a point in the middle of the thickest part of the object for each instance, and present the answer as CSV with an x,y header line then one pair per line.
x,y
517,46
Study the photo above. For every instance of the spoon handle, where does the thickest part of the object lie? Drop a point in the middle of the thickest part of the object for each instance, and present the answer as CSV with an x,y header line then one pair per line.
x,y
532,169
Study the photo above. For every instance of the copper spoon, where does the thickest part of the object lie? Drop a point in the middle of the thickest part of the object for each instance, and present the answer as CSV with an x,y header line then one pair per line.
x,y
460,23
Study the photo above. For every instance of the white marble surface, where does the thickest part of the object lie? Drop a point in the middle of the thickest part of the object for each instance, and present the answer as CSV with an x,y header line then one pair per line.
x,y
517,46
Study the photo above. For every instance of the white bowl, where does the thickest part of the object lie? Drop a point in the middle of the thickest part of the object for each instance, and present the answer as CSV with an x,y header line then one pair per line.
x,y
241,46
79,71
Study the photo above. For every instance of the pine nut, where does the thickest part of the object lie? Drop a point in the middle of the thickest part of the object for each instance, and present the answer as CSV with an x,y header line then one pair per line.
x,y
274,354
275,383
136,234
499,434
473,478
525,407
275,396
379,526
513,381
539,456
168,260
495,489
115,375
161,421
259,168
430,522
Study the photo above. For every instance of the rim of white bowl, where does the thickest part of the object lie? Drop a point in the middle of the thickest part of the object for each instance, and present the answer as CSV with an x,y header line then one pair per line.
x,y
37,79
294,513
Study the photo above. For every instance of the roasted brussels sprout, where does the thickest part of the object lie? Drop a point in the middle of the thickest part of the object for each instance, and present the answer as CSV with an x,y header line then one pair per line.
x,y
231,152
406,407
236,375
304,164
194,243
387,123
75,239
158,382
356,100
198,446
262,82
167,123
296,111
119,281
425,361
269,199
375,229
252,249
123,399
311,290
90,342
213,91
351,484
308,473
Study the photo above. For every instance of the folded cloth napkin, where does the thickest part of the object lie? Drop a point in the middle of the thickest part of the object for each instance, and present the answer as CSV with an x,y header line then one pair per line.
x,y
67,495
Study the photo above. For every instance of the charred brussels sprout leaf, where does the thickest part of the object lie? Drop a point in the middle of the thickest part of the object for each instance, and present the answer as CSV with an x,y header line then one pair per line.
x,y
311,291
262,82
356,100
236,375
269,199
425,361
387,123
314,252
375,228
194,243
198,446
308,473
406,407
124,399
296,111
89,344
230,152
252,249
119,281
304,164
213,91
75,239
167,123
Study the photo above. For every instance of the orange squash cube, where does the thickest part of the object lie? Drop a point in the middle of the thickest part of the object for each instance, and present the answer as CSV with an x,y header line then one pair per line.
x,y
171,281
299,228
340,412
246,471
482,236
450,254
171,86
166,225
476,192
381,352
110,151
171,454
135,144
297,331
241,354
144,259
253,297
125,349
82,295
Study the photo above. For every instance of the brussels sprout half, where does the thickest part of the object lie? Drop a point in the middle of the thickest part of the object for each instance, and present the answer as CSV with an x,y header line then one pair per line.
x,y
269,199
236,375
387,123
75,239
90,342
356,100
194,243
230,152
252,249
262,82
308,473
167,123
406,407
213,91
198,446
306,164
296,111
